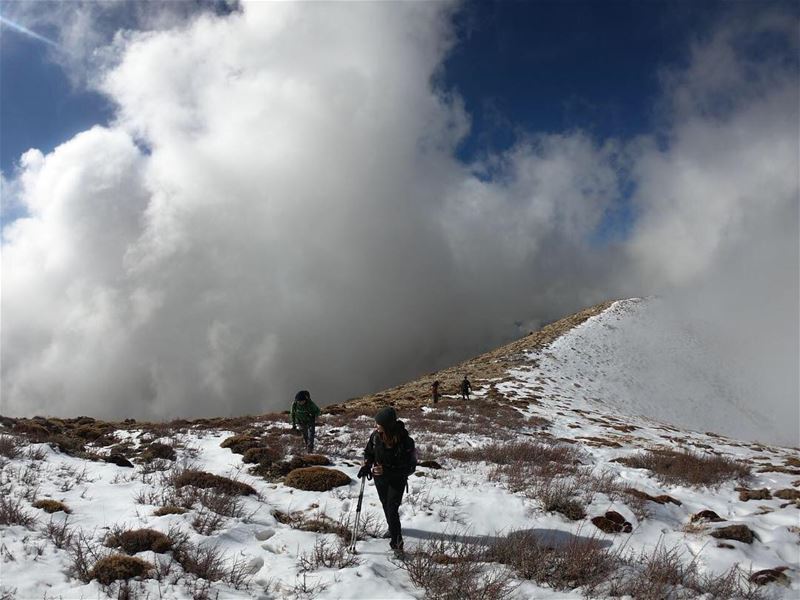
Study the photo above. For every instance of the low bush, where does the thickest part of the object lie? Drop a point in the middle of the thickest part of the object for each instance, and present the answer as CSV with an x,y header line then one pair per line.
x,y
262,455
10,446
133,541
204,480
239,444
664,574
31,429
12,512
118,566
318,479
169,510
59,532
157,450
51,506
331,555
449,569
578,561
688,468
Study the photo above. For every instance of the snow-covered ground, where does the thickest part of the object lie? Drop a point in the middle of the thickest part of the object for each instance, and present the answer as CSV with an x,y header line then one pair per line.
x,y
573,393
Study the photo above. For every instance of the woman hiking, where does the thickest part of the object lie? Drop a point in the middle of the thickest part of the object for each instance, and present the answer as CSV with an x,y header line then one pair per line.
x,y
390,457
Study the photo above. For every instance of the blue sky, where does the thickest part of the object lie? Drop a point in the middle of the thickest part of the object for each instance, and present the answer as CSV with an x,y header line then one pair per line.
x,y
521,67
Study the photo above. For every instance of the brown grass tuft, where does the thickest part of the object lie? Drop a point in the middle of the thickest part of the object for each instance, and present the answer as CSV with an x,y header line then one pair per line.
x,y
133,541
118,566
204,480
688,468
318,479
51,506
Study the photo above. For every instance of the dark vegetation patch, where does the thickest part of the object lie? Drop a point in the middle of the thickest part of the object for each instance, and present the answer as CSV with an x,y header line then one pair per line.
x,y
688,468
51,506
787,494
745,494
10,446
274,471
317,479
612,522
739,533
262,455
204,480
118,566
660,499
158,450
169,510
239,444
133,541
708,516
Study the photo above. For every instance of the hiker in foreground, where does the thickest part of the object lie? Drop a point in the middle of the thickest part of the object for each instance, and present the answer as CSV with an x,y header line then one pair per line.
x,y
466,388
304,413
390,457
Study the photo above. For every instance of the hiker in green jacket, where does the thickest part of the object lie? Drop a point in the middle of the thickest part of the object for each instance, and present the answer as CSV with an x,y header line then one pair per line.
x,y
304,414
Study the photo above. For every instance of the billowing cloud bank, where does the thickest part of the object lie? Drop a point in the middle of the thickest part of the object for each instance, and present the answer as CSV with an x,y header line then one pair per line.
x,y
278,206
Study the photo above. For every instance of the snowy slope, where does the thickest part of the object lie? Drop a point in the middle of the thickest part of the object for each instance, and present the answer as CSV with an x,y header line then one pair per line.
x,y
640,359
555,397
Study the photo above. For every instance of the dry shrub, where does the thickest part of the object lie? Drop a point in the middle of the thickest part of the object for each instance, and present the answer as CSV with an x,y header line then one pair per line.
x,y
51,506
275,471
239,444
332,555
72,446
663,574
10,446
118,566
12,512
158,450
318,479
133,541
262,455
60,533
204,480
169,510
450,569
558,495
210,563
579,561
688,468
546,458
31,429
315,460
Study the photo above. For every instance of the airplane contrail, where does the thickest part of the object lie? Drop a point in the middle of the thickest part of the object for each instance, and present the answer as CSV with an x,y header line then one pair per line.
x,y
25,31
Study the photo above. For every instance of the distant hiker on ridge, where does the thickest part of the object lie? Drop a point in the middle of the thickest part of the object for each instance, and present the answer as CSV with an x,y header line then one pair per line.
x,y
466,388
435,390
390,457
304,413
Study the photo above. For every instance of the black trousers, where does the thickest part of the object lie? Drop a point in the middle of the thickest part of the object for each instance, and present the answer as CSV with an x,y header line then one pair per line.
x,y
390,491
307,429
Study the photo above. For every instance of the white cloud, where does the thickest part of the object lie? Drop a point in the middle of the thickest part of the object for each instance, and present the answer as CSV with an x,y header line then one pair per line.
x,y
278,206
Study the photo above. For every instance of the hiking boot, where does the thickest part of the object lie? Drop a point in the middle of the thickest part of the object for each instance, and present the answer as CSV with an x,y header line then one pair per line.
x,y
398,548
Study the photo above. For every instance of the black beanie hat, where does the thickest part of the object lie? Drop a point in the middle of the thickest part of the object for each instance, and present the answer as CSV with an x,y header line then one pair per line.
x,y
386,418
302,395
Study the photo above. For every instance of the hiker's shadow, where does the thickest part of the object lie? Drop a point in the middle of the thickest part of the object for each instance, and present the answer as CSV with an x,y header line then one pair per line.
x,y
549,538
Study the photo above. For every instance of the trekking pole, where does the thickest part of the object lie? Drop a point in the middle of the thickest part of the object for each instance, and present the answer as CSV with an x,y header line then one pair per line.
x,y
354,535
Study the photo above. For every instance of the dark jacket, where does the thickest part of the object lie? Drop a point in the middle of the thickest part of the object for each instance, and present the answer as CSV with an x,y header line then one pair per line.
x,y
400,460
304,414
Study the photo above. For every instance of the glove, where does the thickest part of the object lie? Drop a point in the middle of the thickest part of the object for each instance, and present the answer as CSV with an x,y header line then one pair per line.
x,y
365,471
